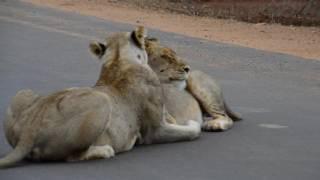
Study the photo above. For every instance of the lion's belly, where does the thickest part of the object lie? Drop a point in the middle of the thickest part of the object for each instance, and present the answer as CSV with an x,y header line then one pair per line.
x,y
182,106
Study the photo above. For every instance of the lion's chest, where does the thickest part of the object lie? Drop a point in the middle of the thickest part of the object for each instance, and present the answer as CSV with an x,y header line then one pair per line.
x,y
181,105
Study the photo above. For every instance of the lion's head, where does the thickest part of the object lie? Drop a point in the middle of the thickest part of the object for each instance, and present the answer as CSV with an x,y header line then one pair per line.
x,y
165,63
130,45
118,52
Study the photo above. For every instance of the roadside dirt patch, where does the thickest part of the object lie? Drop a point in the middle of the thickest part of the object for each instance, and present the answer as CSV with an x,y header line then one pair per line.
x,y
292,12
298,41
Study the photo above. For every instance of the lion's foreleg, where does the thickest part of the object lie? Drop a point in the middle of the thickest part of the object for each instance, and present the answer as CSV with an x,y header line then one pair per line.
x,y
209,94
172,132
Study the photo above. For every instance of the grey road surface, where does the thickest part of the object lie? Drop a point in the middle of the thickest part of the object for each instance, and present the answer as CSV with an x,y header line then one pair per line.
x,y
278,95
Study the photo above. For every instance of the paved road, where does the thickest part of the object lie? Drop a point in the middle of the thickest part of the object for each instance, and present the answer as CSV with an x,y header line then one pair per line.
x,y
278,95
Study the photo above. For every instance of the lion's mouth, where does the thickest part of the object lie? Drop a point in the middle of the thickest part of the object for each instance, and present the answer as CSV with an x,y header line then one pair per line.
x,y
179,77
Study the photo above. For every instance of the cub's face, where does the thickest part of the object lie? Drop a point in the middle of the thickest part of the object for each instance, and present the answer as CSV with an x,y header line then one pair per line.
x,y
165,63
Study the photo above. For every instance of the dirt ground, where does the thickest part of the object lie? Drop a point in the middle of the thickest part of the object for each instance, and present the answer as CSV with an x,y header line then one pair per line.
x,y
287,12
298,41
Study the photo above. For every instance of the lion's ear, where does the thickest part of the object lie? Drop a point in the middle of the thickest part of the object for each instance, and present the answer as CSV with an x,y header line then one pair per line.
x,y
150,41
138,36
98,49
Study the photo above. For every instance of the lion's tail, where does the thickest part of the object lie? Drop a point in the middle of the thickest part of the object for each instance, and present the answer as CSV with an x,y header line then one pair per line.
x,y
233,115
22,149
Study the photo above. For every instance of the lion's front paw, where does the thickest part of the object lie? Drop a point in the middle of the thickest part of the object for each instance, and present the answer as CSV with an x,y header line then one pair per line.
x,y
217,125
98,152
196,127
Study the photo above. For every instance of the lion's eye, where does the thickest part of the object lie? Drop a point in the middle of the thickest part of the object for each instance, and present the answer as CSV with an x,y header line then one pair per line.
x,y
161,70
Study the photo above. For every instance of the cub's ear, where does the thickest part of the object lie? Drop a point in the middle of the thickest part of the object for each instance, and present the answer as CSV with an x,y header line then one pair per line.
x,y
98,49
138,36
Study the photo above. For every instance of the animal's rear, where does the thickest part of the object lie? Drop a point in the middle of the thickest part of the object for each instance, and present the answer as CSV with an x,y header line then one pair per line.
x,y
22,100
75,118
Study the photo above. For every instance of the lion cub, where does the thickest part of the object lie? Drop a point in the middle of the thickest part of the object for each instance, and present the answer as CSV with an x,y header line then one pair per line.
x,y
189,94
125,106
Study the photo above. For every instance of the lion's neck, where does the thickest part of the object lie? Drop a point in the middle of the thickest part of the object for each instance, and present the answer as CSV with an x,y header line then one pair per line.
x,y
181,85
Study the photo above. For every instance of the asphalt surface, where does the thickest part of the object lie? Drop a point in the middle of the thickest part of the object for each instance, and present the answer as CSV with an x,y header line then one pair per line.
x,y
278,95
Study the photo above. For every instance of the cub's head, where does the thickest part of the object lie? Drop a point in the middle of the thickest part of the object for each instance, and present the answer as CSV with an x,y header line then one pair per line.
x,y
165,63
122,46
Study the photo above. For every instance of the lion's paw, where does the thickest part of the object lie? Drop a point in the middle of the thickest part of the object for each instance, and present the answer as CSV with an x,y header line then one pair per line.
x,y
217,125
98,152
196,128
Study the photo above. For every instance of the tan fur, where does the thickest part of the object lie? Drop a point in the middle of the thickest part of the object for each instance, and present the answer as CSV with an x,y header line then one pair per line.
x,y
186,92
124,106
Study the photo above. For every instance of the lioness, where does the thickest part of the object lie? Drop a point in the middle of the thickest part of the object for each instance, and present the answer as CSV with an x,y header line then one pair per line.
x,y
123,107
185,90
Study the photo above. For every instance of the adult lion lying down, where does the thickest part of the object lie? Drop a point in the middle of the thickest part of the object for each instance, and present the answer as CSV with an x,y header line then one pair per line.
x,y
186,91
125,106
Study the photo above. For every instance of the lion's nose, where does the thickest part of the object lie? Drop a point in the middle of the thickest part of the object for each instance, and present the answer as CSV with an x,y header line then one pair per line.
x,y
186,68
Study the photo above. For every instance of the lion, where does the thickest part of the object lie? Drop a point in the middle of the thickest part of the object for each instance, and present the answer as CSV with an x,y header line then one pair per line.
x,y
124,107
189,93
